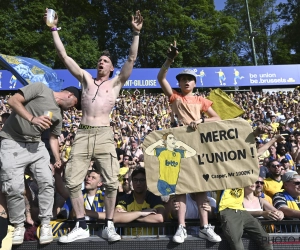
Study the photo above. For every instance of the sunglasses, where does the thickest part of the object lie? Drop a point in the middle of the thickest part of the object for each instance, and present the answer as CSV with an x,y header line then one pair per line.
x,y
275,166
259,182
296,183
141,180
125,179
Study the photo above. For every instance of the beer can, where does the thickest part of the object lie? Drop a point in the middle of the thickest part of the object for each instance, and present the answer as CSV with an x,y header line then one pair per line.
x,y
48,113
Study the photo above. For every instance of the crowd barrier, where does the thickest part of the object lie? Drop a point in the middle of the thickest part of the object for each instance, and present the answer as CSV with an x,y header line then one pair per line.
x,y
282,235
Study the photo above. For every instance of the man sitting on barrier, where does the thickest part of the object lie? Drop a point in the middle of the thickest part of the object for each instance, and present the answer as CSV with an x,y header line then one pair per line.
x,y
140,205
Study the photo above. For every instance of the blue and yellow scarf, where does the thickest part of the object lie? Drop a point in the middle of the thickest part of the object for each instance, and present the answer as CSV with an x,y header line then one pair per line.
x,y
98,203
290,201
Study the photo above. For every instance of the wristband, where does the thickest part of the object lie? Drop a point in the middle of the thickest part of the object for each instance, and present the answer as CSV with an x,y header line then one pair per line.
x,y
202,119
135,33
55,29
32,119
165,67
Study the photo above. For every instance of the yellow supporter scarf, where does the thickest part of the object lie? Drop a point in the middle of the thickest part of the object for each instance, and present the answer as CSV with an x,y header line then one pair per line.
x,y
290,201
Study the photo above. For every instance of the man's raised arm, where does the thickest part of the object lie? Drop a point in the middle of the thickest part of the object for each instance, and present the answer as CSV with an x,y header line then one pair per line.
x,y
162,74
137,24
71,65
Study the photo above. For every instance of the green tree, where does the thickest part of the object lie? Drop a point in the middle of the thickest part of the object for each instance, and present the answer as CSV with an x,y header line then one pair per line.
x,y
204,35
201,32
263,19
287,50
24,32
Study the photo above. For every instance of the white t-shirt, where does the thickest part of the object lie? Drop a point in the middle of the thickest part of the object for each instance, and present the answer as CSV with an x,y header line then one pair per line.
x,y
88,207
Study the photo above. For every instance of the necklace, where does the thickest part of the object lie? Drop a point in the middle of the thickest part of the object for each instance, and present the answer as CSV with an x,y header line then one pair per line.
x,y
98,85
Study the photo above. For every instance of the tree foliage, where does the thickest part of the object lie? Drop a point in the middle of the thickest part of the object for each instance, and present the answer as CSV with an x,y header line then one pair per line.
x,y
263,18
205,37
288,46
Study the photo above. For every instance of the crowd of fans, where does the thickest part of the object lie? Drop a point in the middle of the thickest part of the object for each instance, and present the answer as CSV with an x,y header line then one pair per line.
x,y
135,115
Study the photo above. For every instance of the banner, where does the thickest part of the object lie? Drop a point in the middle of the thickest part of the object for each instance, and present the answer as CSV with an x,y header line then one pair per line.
x,y
224,106
218,155
26,71
207,77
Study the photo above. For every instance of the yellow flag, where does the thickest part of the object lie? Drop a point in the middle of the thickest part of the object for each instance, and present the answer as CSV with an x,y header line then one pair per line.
x,y
223,105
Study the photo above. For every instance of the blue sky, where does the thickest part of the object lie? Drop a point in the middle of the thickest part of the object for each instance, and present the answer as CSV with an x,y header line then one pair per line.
x,y
221,3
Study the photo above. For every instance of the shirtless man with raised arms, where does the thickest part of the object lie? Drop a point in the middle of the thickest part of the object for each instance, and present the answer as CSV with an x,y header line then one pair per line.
x,y
94,138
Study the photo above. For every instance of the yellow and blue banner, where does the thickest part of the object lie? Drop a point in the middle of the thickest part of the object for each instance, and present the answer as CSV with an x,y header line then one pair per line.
x,y
23,71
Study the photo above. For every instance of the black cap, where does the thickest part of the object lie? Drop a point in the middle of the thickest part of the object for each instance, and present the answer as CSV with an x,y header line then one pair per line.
x,y
284,160
77,93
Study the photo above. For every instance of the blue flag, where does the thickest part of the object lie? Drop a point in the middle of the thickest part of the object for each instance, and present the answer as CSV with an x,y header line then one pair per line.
x,y
29,71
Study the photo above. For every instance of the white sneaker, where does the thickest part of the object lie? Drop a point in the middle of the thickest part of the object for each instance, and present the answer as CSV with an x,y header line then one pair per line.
x,y
46,235
209,234
109,233
18,235
180,234
76,234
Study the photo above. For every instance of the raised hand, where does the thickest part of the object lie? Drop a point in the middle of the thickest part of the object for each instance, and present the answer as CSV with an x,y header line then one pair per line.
x,y
172,51
137,21
55,19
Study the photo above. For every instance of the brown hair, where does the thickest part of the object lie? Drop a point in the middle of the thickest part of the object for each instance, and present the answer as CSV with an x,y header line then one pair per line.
x,y
106,53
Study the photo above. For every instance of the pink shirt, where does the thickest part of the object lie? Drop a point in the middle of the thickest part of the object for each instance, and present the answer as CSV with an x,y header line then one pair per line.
x,y
188,108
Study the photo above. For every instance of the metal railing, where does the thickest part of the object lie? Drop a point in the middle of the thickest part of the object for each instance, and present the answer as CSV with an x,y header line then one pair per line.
x,y
168,228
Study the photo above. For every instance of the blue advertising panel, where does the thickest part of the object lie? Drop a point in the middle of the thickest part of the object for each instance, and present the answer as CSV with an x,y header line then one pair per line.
x,y
272,76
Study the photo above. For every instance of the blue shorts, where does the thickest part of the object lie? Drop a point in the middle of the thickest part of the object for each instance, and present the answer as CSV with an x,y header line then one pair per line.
x,y
165,188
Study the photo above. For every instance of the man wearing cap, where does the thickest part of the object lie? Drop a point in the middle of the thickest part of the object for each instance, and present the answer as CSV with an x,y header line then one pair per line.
x,y
21,146
287,201
188,108
94,136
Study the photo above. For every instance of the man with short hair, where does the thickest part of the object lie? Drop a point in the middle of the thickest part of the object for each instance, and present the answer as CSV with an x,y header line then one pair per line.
x,y
259,190
287,200
93,196
93,138
21,146
140,204
134,150
273,183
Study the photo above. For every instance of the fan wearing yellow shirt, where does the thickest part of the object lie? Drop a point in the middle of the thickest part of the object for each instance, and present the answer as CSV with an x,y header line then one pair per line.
x,y
273,184
140,205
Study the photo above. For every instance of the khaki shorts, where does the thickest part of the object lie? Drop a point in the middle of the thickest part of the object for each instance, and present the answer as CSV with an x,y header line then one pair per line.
x,y
96,143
